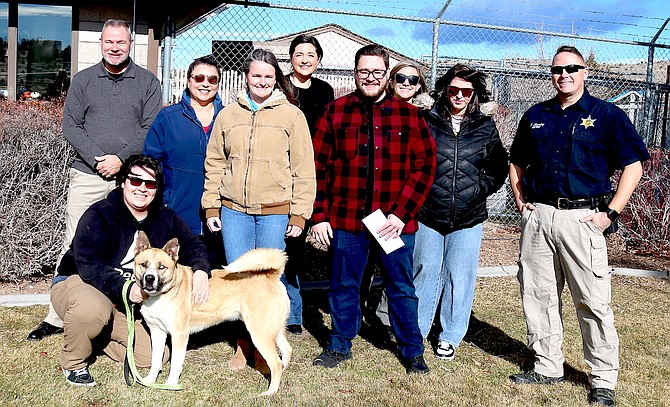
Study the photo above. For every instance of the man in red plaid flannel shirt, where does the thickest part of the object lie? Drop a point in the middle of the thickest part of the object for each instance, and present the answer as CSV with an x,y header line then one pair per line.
x,y
372,151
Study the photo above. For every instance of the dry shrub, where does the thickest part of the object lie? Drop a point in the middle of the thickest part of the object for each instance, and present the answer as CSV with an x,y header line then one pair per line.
x,y
646,217
33,180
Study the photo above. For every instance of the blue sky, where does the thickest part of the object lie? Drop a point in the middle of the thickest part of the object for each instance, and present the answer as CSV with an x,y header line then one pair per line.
x,y
620,19
612,19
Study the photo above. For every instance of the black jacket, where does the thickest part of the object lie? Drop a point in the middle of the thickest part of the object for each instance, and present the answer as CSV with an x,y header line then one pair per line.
x,y
470,167
103,247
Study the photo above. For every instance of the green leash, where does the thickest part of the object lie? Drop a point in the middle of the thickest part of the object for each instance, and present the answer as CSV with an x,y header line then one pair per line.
x,y
130,373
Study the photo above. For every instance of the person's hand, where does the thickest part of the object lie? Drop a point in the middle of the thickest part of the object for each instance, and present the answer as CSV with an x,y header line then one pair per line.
x,y
293,231
599,219
214,224
322,233
391,228
200,293
521,206
137,295
108,165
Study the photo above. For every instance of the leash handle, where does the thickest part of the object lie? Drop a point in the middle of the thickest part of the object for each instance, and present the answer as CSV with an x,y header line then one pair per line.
x,y
130,373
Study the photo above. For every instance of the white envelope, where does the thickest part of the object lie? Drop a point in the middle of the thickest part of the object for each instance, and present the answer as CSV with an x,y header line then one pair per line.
x,y
373,222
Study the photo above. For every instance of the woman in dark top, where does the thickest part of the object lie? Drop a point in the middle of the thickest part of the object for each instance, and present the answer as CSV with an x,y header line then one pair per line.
x,y
471,165
313,93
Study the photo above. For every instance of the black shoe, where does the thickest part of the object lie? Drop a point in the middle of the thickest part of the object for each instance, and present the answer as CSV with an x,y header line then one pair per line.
x,y
602,396
295,329
533,377
43,330
330,358
416,365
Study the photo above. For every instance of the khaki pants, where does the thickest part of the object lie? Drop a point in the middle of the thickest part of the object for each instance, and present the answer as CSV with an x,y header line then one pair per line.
x,y
84,191
556,249
91,323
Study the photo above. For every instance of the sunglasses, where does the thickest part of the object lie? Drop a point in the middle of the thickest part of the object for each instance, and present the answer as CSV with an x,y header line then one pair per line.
x,y
466,92
136,182
557,70
401,78
212,79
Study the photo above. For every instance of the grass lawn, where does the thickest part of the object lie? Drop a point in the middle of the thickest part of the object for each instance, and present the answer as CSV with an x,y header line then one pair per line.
x,y
493,349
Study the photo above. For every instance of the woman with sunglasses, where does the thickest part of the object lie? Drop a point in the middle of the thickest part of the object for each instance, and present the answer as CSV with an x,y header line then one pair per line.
x,y
409,84
471,165
178,139
260,181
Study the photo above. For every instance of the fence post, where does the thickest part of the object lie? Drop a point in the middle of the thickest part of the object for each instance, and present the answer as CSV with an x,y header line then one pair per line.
x,y
435,49
167,61
649,98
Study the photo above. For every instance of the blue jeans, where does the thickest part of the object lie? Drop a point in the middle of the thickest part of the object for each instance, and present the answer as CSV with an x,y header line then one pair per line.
x,y
350,255
242,232
445,267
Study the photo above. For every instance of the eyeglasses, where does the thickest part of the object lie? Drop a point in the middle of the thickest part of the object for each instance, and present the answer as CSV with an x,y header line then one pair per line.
x,y
466,92
212,79
557,70
401,78
136,182
364,73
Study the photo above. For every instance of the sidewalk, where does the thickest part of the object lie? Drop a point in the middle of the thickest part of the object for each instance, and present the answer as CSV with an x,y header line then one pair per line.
x,y
20,300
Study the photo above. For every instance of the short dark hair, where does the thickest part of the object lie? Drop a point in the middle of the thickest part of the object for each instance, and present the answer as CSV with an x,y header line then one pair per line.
x,y
570,49
372,50
148,163
264,55
478,80
206,60
305,39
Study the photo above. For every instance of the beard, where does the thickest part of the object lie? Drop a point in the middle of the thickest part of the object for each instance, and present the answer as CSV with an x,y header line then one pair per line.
x,y
373,91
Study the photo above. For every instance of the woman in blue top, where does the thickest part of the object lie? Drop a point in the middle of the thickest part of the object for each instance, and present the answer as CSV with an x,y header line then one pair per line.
x,y
178,139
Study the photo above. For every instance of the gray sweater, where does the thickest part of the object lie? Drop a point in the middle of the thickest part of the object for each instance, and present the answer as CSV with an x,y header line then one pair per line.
x,y
106,114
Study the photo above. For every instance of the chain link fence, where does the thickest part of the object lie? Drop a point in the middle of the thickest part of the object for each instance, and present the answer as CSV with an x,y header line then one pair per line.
x,y
633,75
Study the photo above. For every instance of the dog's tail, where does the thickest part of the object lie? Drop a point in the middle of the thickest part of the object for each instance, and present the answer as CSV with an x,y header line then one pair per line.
x,y
268,261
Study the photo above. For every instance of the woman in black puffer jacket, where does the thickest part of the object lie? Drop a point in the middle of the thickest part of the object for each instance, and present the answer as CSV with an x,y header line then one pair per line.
x,y
471,165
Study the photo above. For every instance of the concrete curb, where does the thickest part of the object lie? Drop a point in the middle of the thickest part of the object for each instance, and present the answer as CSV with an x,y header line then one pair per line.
x,y
22,300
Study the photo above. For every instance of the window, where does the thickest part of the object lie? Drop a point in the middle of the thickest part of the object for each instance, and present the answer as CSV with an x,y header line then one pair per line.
x,y
44,48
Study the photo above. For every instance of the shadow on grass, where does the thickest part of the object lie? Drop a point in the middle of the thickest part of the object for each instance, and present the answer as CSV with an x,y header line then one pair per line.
x,y
496,342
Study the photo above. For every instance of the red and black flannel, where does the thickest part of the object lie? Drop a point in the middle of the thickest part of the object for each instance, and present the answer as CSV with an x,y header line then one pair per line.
x,y
403,172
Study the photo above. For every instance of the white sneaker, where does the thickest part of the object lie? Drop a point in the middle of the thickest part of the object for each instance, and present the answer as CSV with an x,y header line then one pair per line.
x,y
445,351
79,377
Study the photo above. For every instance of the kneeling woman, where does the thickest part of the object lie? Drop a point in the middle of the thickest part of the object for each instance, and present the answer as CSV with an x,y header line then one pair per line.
x,y
471,165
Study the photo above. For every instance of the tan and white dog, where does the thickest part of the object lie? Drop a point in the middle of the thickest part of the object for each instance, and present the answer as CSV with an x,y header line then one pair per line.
x,y
248,289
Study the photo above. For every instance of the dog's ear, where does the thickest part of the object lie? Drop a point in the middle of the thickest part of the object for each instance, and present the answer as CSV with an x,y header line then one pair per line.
x,y
172,248
142,242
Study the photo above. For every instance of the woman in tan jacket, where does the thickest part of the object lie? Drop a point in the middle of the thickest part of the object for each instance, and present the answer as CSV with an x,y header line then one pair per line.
x,y
259,167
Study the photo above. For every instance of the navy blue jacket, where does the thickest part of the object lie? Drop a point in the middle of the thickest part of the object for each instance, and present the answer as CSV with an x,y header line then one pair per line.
x,y
177,139
470,167
103,247
573,152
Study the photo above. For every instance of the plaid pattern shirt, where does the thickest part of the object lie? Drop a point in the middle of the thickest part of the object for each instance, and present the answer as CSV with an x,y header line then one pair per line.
x,y
403,162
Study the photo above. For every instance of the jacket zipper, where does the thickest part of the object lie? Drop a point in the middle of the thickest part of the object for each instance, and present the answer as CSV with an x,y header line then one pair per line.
x,y
246,173
453,182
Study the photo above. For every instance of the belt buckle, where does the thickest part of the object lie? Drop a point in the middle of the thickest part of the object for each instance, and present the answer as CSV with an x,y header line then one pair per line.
x,y
562,203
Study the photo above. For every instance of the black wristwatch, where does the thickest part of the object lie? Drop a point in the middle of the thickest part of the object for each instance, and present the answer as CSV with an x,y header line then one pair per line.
x,y
612,214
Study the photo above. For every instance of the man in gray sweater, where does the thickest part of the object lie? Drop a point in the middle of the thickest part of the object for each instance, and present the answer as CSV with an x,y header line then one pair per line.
x,y
108,111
